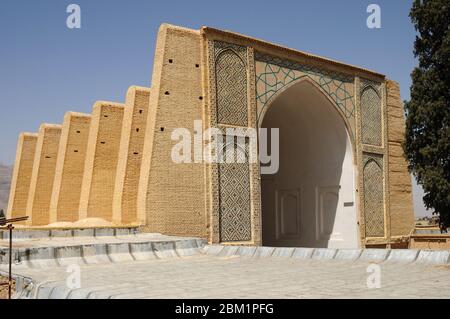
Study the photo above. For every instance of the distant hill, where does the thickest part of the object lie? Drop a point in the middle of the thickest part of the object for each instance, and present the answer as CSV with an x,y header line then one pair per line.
x,y
5,184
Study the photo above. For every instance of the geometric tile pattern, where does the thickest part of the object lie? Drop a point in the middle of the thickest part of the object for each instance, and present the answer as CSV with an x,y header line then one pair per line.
x,y
373,195
277,73
371,113
231,83
234,195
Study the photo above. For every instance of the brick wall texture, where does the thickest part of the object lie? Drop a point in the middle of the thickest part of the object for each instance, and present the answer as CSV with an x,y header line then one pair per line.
x,y
66,193
130,156
175,194
400,189
101,161
42,176
21,178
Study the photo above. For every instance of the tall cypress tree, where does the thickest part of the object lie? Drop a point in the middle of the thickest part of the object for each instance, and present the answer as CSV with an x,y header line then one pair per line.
x,y
427,143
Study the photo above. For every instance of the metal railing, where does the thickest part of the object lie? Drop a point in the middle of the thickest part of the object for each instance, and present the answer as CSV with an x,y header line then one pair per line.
x,y
7,224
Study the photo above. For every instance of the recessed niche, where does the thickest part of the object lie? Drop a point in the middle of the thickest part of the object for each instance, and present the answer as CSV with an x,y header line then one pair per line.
x,y
170,61
140,111
161,129
75,151
137,130
135,153
47,157
105,115
197,65
167,93
200,98
78,132
102,142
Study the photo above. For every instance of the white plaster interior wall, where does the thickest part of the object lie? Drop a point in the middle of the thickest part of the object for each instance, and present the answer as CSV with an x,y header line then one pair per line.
x,y
310,201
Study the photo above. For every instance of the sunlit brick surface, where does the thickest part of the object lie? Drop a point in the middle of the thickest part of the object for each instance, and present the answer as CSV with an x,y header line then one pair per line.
x,y
69,168
101,161
21,179
130,155
42,177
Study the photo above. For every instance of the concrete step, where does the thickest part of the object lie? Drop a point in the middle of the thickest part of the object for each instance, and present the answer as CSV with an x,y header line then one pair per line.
x,y
435,257
51,252
26,234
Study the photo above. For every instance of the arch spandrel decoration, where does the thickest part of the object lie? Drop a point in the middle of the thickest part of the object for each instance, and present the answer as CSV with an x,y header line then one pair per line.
x,y
371,127
231,83
273,75
373,195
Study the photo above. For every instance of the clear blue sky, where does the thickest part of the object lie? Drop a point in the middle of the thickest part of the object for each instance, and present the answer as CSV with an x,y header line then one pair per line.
x,y
47,69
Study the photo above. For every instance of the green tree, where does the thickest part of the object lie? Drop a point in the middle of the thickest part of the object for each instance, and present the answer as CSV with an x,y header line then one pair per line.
x,y
427,143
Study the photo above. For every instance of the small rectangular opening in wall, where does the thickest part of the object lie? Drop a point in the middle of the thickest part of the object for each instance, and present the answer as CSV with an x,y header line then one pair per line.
x,y
102,142
137,130
75,151
140,111
135,153
348,204
47,157
105,115
78,132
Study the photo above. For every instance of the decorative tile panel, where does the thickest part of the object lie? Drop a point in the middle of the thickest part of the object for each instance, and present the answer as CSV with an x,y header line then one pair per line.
x,y
234,195
273,74
231,83
371,113
373,195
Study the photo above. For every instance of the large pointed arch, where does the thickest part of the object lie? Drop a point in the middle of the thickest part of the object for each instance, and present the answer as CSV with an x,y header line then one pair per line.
x,y
316,87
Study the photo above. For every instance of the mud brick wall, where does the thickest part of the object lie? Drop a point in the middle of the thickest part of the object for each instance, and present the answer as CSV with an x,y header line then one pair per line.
x,y
64,206
173,195
21,178
42,177
400,189
101,161
130,157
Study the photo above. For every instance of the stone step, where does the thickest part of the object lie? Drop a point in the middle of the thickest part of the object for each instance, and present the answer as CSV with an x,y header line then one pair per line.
x,y
367,255
52,253
26,234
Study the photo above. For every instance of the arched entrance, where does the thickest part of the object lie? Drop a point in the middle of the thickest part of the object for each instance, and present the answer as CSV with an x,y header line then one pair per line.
x,y
310,201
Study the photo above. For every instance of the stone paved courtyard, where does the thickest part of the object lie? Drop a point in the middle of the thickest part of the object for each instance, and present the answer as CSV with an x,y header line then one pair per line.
x,y
203,276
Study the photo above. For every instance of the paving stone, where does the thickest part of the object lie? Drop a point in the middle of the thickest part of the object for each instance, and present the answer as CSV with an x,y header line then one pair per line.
x,y
142,251
324,253
164,249
69,255
403,255
89,232
210,276
119,252
348,254
433,257
104,232
41,257
154,266
228,251
246,251
264,251
95,254
213,249
303,253
61,233
283,252
186,247
374,254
